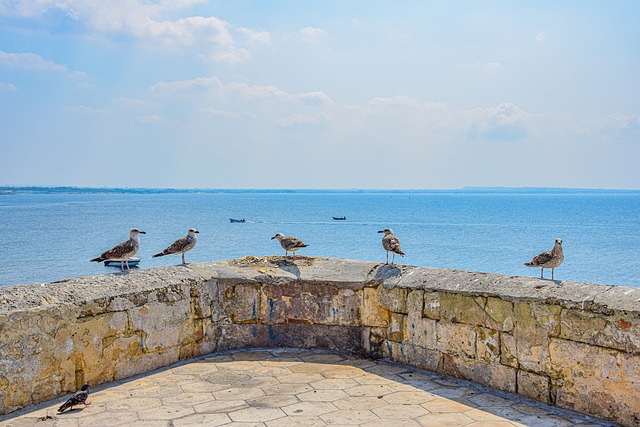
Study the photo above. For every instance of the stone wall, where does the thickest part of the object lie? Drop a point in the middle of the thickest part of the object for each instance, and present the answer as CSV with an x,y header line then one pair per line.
x,y
574,345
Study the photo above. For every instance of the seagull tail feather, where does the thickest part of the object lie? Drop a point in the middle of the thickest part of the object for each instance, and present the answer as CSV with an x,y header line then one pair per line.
x,y
99,259
159,254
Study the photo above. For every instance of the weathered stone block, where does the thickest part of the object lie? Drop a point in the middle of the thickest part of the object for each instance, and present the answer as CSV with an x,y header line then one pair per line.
x,y
508,350
456,338
463,308
500,314
535,324
618,331
242,303
431,305
291,335
488,344
396,330
373,313
415,303
420,332
497,376
596,380
393,298
413,355
345,308
534,386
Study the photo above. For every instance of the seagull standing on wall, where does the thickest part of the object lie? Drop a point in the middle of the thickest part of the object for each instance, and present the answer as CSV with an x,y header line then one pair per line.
x,y
549,259
390,243
289,243
123,251
182,245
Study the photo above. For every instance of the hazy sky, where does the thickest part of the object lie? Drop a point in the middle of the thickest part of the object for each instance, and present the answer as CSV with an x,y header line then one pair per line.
x,y
320,94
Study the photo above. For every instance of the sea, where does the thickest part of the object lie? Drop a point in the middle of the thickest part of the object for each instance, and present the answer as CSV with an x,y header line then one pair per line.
x,y
50,234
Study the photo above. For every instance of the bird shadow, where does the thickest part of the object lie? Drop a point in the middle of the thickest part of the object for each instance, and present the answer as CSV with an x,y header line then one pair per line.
x,y
387,271
289,266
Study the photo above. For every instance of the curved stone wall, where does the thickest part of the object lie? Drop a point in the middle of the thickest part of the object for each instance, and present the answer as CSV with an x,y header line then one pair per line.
x,y
574,345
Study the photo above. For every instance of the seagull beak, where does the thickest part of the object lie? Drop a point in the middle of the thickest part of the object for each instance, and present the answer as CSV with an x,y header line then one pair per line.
x,y
381,231
197,232
273,237
142,232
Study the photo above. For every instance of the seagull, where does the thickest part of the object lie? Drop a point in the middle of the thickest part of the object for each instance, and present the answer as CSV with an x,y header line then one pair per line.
x,y
123,251
78,397
182,245
390,243
549,259
289,243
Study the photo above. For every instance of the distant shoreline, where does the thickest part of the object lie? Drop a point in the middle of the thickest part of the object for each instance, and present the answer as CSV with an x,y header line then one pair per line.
x,y
12,190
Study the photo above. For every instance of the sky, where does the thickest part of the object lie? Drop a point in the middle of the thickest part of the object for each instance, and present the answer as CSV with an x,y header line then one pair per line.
x,y
332,94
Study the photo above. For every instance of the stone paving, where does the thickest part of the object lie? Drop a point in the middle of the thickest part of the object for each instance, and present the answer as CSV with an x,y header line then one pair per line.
x,y
288,387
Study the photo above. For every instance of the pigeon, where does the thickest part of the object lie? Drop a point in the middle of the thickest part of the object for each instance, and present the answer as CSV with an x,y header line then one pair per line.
x,y
123,251
79,397
289,243
390,243
182,245
549,259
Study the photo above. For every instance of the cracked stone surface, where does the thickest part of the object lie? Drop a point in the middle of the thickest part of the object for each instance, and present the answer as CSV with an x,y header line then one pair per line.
x,y
288,387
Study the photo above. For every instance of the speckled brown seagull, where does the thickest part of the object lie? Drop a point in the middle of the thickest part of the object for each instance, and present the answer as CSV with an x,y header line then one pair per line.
x,y
390,243
289,243
78,398
182,245
549,259
123,251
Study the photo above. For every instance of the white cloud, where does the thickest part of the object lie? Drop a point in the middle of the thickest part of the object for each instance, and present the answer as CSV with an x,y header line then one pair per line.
x,y
34,62
504,122
256,37
144,21
7,87
225,114
235,90
149,119
301,122
541,36
311,34
231,55
84,110
617,126
133,102
400,100
314,98
29,61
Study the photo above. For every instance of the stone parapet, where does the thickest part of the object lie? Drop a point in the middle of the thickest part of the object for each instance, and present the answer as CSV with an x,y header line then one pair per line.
x,y
574,345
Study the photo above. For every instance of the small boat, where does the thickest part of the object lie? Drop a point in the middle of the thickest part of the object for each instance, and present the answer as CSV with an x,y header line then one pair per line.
x,y
340,218
237,220
116,263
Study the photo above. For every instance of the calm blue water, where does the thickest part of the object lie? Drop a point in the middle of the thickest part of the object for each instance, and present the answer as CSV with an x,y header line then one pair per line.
x,y
49,237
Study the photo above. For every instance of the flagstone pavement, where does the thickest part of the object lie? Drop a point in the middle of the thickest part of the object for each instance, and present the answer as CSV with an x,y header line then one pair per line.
x,y
289,387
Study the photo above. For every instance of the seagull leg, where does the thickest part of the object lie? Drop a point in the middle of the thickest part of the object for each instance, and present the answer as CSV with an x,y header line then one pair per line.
x,y
128,268
122,265
393,258
387,261
183,263
542,273
552,273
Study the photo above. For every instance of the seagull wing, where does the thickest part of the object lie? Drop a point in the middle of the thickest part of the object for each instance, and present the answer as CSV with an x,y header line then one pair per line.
x,y
289,242
121,250
393,244
176,247
543,258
